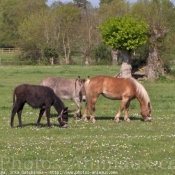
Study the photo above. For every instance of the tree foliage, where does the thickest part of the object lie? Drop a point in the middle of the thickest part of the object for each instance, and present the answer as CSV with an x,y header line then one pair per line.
x,y
159,15
12,14
114,9
72,29
124,33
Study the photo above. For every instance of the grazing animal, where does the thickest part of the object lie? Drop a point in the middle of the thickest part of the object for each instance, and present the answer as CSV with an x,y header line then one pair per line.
x,y
69,89
38,97
125,89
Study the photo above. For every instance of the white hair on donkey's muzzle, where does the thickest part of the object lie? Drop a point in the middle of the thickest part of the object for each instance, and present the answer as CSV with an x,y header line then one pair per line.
x,y
84,98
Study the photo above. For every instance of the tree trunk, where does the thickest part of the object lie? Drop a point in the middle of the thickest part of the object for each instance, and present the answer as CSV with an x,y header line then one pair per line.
x,y
114,54
126,67
87,61
86,57
155,66
51,61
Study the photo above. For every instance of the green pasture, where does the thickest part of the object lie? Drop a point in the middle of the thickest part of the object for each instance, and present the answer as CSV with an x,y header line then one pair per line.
x,y
134,148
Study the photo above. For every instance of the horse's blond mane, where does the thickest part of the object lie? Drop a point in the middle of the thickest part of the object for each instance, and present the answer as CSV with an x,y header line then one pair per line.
x,y
141,90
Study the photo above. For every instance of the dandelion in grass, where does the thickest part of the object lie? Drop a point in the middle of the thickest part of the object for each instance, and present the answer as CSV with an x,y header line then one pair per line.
x,y
39,148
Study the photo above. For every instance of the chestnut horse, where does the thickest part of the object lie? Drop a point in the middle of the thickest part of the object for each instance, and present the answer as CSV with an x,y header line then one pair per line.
x,y
125,89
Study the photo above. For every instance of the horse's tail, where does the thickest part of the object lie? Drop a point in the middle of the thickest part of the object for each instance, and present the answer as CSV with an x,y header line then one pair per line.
x,y
88,92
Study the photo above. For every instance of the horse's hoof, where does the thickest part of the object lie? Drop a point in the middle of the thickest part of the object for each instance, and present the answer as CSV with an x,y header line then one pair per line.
x,y
85,120
117,121
93,121
127,120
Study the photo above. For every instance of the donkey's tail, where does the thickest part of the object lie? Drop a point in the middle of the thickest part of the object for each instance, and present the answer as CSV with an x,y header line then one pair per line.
x,y
14,99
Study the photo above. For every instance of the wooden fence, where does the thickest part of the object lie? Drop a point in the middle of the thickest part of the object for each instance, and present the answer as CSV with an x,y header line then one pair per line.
x,y
9,51
8,56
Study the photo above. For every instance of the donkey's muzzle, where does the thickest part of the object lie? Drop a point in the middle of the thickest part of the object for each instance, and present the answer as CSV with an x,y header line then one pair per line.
x,y
84,98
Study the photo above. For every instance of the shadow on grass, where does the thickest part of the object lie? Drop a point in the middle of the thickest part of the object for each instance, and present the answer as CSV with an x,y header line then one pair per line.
x,y
42,125
112,118
44,119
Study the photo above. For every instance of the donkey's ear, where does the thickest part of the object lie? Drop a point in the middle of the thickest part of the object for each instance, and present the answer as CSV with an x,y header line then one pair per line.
x,y
80,81
65,110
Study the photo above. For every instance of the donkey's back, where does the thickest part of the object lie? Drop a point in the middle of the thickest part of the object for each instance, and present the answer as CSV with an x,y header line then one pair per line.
x,y
64,88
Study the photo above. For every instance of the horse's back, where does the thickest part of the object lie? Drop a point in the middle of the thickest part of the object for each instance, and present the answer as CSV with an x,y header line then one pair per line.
x,y
112,82
111,87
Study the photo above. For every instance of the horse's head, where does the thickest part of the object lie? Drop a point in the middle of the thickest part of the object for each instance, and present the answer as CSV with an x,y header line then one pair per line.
x,y
82,92
63,118
146,113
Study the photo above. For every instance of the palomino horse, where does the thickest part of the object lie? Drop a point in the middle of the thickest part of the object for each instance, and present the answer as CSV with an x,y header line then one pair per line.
x,y
125,89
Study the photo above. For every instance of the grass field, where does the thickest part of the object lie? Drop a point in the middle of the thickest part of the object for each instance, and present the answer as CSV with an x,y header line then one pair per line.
x,y
135,148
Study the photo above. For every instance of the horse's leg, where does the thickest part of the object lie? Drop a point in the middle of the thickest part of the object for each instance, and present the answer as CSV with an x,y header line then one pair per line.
x,y
42,110
84,118
124,102
92,109
126,118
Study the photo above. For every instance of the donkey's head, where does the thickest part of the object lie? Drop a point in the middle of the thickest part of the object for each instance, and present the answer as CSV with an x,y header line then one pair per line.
x,y
82,93
63,118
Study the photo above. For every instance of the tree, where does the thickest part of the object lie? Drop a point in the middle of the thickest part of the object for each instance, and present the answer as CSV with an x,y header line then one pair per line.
x,y
8,23
31,32
87,34
49,29
111,8
12,14
105,1
126,34
69,16
159,14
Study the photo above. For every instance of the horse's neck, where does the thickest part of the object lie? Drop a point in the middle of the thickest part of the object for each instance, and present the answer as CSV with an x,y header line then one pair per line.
x,y
142,101
142,95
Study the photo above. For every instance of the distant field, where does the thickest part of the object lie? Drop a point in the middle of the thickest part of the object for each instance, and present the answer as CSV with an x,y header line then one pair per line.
x,y
105,147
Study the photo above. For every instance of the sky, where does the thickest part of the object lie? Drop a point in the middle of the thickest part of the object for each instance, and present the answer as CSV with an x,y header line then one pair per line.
x,y
95,3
